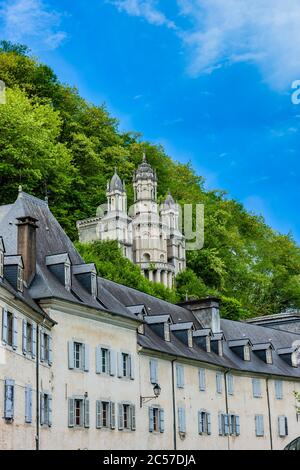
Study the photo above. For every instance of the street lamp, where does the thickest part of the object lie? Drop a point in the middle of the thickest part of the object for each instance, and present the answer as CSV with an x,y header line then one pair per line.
x,y
156,391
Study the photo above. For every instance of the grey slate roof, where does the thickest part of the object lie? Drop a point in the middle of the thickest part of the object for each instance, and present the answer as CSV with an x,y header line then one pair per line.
x,y
119,300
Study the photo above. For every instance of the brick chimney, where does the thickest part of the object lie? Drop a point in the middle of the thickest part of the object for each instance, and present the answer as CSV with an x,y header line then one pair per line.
x,y
27,246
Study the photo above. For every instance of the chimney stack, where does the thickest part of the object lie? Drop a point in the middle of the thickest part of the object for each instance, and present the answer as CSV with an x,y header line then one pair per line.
x,y
207,312
27,246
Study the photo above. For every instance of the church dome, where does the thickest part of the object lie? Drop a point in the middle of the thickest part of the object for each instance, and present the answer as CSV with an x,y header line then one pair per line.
x,y
145,171
116,183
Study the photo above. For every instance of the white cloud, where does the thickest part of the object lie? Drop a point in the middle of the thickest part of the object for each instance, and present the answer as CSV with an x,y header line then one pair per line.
x,y
30,22
222,32
146,9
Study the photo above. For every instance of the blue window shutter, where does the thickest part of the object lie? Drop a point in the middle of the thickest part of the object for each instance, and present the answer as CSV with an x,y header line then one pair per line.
x,y
71,420
98,360
177,376
4,326
256,388
219,382
71,354
133,419
9,398
112,415
202,380
24,336
182,376
208,423
162,420
230,384
153,371
42,346
112,362
120,365
120,417
237,425
226,424
182,422
259,425
50,360
220,422
98,414
151,419
42,409
132,369
200,422
15,332
49,410
279,389
28,404
33,348
86,413
86,358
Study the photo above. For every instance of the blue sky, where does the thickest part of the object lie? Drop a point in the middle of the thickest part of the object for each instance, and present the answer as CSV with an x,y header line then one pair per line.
x,y
208,79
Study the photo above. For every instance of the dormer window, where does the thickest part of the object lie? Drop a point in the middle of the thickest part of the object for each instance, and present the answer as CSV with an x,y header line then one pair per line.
x,y
289,355
184,332
160,325
67,276
202,338
241,347
13,271
264,352
217,343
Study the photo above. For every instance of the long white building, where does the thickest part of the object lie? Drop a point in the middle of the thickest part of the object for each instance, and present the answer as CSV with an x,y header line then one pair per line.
x,y
86,363
148,233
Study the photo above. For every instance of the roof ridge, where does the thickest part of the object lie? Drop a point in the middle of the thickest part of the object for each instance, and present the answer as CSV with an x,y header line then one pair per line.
x,y
29,197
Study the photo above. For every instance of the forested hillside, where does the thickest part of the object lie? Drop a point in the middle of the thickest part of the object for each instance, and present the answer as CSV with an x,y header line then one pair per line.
x,y
53,142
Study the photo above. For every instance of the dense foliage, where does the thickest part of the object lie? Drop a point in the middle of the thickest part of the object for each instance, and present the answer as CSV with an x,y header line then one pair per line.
x,y
53,142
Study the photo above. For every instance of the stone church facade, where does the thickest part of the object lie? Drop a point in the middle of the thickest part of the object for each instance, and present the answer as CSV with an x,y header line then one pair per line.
x,y
149,233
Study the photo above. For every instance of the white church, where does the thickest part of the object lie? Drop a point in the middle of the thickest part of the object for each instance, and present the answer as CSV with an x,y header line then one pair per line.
x,y
149,233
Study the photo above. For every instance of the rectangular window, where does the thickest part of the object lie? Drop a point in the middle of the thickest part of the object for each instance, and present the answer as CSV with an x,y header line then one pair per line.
x,y
105,414
223,424
125,365
283,426
181,420
234,425
259,426
180,376
78,355
156,419
9,399
104,361
219,379
256,387
46,410
204,422
127,416
78,407
79,412
278,389
202,380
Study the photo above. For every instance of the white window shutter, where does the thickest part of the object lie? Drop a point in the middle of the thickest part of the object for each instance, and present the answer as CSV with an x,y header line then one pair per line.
x,y
112,415
132,367
24,336
202,380
71,355
71,412
42,346
200,422
220,422
133,419
4,326
120,416
208,417
9,398
181,417
278,389
112,362
86,413
98,360
226,425
86,358
219,382
50,360
33,348
230,384
237,425
98,414
151,419
28,404
120,365
42,409
162,420
49,410
15,332
153,371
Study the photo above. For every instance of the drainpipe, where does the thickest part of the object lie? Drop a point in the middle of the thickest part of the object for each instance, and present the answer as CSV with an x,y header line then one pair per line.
x,y
37,437
226,404
269,414
174,406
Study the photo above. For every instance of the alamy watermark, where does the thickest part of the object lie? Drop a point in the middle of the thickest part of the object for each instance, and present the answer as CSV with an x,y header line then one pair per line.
x,y
2,93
